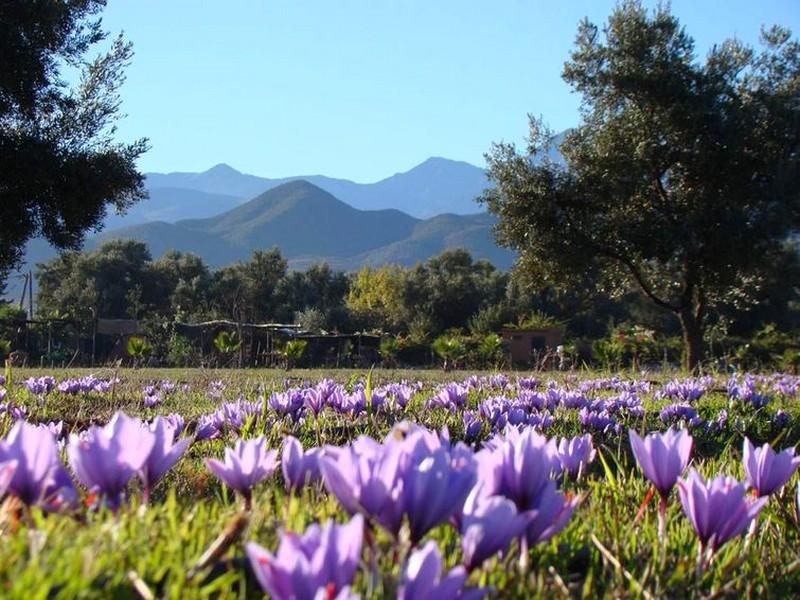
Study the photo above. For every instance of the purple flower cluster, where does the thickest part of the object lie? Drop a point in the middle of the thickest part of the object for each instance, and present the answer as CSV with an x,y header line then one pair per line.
x,y
104,459
675,413
684,390
85,385
451,395
40,385
419,478
747,391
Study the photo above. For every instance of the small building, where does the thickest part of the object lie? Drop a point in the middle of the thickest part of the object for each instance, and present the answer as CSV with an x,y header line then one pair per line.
x,y
531,345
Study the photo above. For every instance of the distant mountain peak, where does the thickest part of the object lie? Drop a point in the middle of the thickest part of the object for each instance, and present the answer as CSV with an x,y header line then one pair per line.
x,y
222,169
299,185
441,160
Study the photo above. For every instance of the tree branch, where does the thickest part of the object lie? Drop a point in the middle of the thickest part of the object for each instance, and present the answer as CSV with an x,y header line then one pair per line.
x,y
640,280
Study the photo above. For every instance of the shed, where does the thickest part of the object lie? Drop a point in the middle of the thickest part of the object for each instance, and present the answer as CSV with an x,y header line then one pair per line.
x,y
527,345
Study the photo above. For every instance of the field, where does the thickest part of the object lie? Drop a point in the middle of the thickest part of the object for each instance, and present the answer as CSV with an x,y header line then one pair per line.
x,y
506,503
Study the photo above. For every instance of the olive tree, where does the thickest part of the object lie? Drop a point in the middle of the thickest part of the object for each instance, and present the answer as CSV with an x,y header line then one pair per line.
x,y
681,179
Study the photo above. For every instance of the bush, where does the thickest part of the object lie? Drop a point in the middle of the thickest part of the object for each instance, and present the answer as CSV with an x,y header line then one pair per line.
x,y
181,352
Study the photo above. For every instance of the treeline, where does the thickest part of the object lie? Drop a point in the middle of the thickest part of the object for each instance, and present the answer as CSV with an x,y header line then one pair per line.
x,y
450,296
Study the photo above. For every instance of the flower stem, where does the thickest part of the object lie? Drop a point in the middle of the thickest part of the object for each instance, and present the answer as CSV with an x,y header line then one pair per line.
x,y
662,521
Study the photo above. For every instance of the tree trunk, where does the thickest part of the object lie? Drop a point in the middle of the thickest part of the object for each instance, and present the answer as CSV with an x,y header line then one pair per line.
x,y
693,350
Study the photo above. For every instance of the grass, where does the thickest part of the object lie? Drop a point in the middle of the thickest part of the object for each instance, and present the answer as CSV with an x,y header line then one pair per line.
x,y
603,552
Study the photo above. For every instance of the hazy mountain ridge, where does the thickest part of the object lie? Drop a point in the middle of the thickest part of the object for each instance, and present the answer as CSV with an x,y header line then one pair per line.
x,y
435,186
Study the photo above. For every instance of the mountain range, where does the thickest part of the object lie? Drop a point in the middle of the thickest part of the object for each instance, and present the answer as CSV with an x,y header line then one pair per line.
x,y
223,215
436,186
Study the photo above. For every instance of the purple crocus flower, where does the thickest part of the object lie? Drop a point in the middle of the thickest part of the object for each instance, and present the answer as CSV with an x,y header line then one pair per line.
x,y
766,470
419,477
176,421
575,454
718,509
520,466
39,476
436,485
488,526
299,467
472,425
320,564
363,476
551,514
599,420
40,385
246,464
662,457
422,578
288,403
165,453
315,399
209,427
105,458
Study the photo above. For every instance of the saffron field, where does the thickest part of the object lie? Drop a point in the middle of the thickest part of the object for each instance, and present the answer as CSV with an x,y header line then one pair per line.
x,y
194,484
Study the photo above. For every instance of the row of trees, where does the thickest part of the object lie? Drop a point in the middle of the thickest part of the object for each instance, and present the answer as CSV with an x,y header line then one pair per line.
x,y
450,295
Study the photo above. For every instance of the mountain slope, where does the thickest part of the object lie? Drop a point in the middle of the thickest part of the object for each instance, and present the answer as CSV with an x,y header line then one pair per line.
x,y
300,217
310,225
171,204
160,237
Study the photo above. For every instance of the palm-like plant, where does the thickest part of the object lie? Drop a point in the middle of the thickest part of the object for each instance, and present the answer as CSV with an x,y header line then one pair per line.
x,y
227,342
491,349
292,351
138,349
450,348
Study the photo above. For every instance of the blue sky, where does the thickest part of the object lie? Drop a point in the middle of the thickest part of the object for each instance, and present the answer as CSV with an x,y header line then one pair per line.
x,y
364,89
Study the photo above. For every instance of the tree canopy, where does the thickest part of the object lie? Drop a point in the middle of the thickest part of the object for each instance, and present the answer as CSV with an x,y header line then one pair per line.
x,y
60,167
682,178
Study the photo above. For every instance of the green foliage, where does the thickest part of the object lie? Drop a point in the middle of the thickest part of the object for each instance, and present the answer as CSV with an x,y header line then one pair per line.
x,y
421,328
389,349
181,352
294,349
291,351
634,346
119,279
769,347
491,350
138,349
450,348
376,296
112,281
227,342
489,319
662,189
310,319
5,349
536,320
68,170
